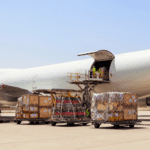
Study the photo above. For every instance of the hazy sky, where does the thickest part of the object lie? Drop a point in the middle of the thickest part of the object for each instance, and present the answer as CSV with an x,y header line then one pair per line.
x,y
42,32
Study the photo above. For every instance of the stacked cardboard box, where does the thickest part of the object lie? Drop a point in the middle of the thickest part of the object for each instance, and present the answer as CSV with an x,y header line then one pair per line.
x,y
130,107
30,106
68,108
33,107
45,106
114,106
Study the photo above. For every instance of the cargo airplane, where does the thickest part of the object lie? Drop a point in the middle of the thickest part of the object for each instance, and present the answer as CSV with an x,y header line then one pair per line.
x,y
128,72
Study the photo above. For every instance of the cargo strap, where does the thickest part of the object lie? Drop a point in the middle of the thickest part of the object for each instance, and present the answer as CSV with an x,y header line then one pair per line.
x,y
73,109
69,94
61,107
54,101
78,100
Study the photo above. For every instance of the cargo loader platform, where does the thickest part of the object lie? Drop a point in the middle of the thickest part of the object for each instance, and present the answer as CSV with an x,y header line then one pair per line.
x,y
93,81
55,91
77,78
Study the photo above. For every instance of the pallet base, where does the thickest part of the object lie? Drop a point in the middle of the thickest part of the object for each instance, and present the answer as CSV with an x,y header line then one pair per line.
x,y
116,124
71,121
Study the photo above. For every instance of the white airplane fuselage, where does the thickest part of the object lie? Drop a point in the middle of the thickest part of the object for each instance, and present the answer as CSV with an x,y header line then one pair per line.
x,y
129,72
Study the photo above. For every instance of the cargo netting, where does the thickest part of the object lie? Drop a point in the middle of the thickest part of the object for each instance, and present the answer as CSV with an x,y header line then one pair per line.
x,y
68,108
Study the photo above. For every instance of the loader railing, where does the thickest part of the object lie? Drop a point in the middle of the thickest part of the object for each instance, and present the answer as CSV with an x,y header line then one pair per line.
x,y
76,77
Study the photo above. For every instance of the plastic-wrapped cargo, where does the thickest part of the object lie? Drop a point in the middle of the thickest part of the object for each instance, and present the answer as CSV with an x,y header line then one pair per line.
x,y
114,106
19,102
18,109
18,112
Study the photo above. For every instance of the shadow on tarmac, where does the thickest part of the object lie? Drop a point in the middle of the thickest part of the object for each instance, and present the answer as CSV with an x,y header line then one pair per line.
x,y
34,124
88,125
144,124
119,128
75,125
57,125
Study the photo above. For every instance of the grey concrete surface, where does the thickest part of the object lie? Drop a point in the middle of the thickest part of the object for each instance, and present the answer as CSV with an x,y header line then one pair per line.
x,y
78,137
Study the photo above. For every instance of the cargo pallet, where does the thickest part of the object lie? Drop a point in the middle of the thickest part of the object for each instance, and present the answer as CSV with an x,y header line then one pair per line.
x,y
116,124
69,122
32,121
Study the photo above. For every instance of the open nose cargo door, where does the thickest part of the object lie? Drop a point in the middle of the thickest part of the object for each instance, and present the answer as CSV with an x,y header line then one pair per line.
x,y
100,55
103,59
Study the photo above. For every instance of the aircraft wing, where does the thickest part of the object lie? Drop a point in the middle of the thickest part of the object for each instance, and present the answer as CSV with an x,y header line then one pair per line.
x,y
12,91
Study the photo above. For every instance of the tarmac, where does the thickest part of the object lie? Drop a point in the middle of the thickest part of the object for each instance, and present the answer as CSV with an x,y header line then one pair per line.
x,y
78,137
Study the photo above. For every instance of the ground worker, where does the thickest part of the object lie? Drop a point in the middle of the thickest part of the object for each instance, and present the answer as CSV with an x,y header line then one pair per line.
x,y
100,72
87,112
94,70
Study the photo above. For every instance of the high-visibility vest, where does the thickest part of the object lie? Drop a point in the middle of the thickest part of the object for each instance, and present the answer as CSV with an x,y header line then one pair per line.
x,y
87,112
94,69
100,71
